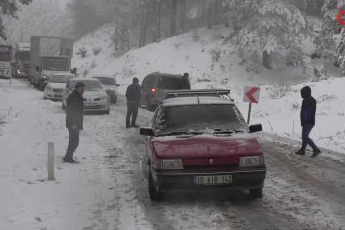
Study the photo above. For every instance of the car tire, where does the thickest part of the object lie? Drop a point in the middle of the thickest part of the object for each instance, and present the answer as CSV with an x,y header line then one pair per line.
x,y
155,195
255,193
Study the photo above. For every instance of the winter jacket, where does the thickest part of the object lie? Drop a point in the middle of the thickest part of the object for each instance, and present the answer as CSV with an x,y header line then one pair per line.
x,y
74,111
185,84
133,93
308,109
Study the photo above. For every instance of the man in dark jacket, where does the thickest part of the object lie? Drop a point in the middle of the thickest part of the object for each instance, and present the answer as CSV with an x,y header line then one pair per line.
x,y
185,84
74,120
133,96
308,112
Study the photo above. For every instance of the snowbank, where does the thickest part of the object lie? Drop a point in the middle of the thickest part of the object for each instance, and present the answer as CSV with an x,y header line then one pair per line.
x,y
212,62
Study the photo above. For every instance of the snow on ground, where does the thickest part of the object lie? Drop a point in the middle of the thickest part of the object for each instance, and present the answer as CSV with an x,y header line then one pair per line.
x,y
79,198
213,63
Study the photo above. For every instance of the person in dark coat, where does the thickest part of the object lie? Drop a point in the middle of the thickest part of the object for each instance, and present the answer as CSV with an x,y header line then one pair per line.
x,y
133,96
185,84
308,111
74,120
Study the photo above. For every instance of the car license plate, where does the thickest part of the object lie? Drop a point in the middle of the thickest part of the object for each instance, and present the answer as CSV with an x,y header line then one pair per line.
x,y
213,180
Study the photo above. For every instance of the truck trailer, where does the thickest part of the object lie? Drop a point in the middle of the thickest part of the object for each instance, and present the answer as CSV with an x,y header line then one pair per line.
x,y
48,56
5,61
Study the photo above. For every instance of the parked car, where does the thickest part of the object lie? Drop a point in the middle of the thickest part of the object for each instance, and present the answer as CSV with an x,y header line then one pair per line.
x,y
96,98
56,85
154,86
110,86
198,140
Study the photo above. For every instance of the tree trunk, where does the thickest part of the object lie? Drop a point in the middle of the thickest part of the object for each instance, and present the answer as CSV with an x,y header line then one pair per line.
x,y
173,17
159,20
183,15
116,37
141,28
145,24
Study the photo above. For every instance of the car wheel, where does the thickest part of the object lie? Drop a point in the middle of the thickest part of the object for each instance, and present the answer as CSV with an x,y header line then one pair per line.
x,y
255,193
155,195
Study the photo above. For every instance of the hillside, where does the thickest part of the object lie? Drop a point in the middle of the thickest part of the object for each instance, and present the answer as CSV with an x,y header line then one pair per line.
x,y
213,62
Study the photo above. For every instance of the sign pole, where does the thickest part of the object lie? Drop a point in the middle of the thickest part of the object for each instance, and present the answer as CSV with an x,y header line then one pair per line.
x,y
50,164
249,112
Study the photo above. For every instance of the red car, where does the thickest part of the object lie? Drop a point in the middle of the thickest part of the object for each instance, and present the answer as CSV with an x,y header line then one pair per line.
x,y
199,139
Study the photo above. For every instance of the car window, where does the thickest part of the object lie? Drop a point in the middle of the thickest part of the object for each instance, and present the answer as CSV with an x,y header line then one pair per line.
x,y
106,80
166,82
149,81
60,78
90,85
199,118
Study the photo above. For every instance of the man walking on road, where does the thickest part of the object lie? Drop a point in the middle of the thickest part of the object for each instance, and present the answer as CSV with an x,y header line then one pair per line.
x,y
308,112
133,96
74,120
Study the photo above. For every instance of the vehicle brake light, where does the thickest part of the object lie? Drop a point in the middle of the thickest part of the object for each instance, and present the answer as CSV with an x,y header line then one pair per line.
x,y
153,90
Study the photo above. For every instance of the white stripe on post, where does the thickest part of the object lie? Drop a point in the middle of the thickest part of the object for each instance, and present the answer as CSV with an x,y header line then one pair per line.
x,y
50,164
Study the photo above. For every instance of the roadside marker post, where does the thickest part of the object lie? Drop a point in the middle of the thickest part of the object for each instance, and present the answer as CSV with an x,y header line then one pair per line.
x,y
251,95
50,164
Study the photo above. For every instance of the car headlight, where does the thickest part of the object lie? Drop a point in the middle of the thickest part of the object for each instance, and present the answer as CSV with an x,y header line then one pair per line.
x,y
170,164
252,161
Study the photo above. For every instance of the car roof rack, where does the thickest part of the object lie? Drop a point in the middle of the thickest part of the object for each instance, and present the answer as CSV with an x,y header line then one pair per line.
x,y
223,93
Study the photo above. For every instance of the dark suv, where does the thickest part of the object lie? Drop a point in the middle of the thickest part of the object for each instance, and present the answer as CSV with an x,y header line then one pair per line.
x,y
154,86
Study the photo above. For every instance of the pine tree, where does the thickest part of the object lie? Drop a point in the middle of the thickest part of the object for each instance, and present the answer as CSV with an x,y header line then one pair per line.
x,y
269,31
9,7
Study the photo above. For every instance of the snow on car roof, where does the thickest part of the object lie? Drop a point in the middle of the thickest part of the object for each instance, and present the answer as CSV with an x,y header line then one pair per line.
x,y
203,100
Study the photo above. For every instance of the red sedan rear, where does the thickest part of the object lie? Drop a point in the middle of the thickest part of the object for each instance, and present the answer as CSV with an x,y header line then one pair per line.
x,y
198,142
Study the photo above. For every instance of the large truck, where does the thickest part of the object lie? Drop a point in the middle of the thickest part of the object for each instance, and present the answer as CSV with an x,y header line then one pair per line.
x,y
5,61
22,60
48,56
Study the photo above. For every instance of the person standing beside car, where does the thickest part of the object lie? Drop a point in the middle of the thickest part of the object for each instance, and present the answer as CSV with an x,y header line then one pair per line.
x,y
74,120
133,96
185,84
308,111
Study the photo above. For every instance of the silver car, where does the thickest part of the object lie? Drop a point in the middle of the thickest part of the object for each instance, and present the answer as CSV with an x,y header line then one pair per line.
x,y
56,85
110,86
95,96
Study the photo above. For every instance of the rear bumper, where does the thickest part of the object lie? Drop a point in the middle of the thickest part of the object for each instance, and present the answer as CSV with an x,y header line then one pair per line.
x,y
253,179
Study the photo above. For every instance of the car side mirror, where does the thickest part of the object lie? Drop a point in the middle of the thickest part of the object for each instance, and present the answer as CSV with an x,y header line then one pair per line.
x,y
146,132
255,128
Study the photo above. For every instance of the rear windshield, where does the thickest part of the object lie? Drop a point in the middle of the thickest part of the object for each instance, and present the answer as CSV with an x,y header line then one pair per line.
x,y
172,83
60,78
89,85
5,56
106,80
199,118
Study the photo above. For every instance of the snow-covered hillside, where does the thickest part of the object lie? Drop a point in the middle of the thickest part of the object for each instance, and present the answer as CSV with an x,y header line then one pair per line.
x,y
213,62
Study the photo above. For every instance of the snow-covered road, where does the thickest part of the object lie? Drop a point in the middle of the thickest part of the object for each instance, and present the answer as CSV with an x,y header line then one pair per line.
x,y
108,189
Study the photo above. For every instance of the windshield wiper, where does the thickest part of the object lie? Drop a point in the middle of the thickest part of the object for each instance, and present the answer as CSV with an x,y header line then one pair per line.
x,y
220,131
181,133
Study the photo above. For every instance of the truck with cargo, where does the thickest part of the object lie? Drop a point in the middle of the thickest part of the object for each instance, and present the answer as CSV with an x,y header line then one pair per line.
x,y
5,61
22,60
48,56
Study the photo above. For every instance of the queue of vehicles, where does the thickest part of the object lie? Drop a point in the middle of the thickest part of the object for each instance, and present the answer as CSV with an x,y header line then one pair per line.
x,y
209,147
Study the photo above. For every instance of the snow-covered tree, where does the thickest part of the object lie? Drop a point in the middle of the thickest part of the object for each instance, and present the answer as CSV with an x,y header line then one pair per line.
x,y
9,7
269,31
40,18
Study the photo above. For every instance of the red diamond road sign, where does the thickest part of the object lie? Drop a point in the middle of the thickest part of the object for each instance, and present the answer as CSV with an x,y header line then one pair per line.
x,y
251,94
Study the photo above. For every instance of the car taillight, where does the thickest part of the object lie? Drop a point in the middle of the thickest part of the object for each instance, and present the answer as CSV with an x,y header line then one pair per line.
x,y
153,90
